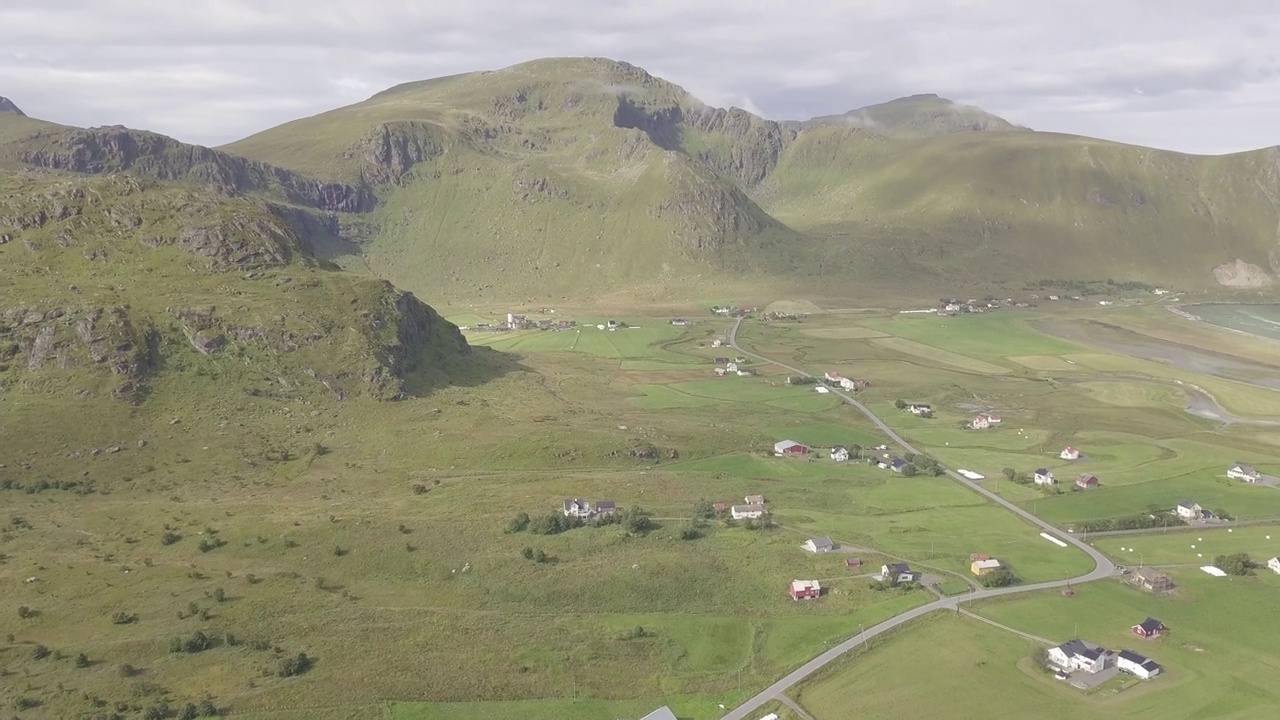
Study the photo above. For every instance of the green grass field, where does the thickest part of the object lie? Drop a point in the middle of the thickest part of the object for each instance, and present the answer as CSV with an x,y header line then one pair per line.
x,y
1262,542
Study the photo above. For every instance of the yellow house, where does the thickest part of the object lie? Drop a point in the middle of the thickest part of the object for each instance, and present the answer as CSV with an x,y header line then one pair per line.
x,y
984,567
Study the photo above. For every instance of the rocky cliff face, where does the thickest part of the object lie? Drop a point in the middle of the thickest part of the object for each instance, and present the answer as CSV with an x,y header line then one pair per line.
x,y
33,338
118,149
7,106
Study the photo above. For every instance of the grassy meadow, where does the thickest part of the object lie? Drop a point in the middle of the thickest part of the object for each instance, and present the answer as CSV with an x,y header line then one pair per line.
x,y
1218,657
360,531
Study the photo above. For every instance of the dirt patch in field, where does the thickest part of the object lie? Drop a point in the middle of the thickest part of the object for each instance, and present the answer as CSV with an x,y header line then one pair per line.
x,y
1126,342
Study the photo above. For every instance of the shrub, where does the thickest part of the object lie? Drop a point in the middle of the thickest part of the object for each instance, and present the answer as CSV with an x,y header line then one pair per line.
x,y
169,537
1235,564
291,666
40,652
208,709
420,489
527,553
1009,473
82,661
188,712
1000,577
219,595
198,642
518,523
539,556
159,711
127,670
24,612
208,543
704,510
690,533
123,618
899,404
340,551
637,521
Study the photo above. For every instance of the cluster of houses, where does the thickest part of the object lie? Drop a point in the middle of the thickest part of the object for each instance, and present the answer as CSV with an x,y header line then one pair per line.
x,y
1085,657
981,565
752,509
984,421
725,366
950,307
1084,481
844,383
523,322
730,311
578,508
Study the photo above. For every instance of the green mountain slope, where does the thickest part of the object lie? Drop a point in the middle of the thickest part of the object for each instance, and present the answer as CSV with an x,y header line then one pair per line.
x,y
580,177
112,281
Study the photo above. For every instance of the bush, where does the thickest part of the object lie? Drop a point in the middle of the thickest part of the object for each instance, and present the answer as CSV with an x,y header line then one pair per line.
x,y
527,553
704,510
188,712
82,661
539,556
1009,473
208,709
420,489
123,618
198,642
169,537
127,670
159,711
291,666
690,533
1235,564
637,521
1130,522
40,652
208,543
24,612
340,551
1000,577
518,523
219,595
899,404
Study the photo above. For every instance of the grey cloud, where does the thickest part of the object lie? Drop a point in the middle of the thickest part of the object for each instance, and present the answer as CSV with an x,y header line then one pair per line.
x,y
1182,74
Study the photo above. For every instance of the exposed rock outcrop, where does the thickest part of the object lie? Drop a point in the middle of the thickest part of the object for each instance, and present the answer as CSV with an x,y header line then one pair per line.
x,y
7,106
118,149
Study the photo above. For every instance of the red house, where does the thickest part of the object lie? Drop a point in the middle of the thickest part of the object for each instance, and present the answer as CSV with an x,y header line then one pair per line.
x,y
805,590
789,447
1085,481
1149,628
853,562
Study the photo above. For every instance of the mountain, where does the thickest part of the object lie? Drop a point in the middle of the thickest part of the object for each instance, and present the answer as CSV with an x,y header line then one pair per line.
x,y
583,177
115,281
917,116
587,178
7,106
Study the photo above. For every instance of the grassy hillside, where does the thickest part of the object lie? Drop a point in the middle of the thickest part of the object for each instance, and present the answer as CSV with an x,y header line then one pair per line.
x,y
580,177
113,281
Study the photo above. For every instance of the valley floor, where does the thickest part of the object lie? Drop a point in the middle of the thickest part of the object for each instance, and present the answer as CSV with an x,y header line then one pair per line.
x,y
378,538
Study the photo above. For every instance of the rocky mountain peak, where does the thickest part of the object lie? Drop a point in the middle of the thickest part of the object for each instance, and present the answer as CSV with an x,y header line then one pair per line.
x,y
7,106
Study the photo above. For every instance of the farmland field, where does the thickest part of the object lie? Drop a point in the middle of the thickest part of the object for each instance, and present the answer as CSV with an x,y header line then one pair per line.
x,y
358,531
1218,657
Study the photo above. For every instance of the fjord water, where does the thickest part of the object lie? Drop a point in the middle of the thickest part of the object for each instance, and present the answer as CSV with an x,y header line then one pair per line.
x,y
1260,320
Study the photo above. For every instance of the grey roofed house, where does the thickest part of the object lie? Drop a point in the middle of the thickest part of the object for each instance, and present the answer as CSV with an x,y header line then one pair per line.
x,y
820,544
1146,663
898,568
662,713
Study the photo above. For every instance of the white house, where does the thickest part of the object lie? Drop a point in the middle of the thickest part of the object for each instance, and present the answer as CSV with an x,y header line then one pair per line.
x,y
754,499
822,389
833,377
747,512
1069,453
901,572
1189,510
1135,664
731,367
840,453
1274,564
980,422
1241,471
576,508
1081,655
662,713
819,545
1044,477
921,409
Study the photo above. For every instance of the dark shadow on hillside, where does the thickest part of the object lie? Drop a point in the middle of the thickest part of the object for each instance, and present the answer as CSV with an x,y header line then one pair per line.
x,y
475,368
662,126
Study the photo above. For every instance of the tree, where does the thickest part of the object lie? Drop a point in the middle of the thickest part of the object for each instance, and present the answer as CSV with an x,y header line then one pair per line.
x,y
910,470
189,712
690,533
82,661
1009,473
169,537
527,553
704,510
291,666
1235,564
899,403
539,555
637,521
1000,577
40,652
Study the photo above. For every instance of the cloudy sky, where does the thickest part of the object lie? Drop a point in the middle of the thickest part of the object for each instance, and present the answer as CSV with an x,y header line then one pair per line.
x,y
1181,74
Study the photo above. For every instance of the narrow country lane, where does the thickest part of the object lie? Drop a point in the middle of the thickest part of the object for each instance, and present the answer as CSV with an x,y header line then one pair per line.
x,y
1103,567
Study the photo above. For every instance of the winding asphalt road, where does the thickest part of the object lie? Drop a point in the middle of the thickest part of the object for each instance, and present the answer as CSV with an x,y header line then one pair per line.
x,y
1103,568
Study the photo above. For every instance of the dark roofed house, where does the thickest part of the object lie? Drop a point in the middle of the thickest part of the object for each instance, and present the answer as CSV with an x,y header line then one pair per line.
x,y
1086,481
606,507
1138,665
1242,471
1149,628
819,545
